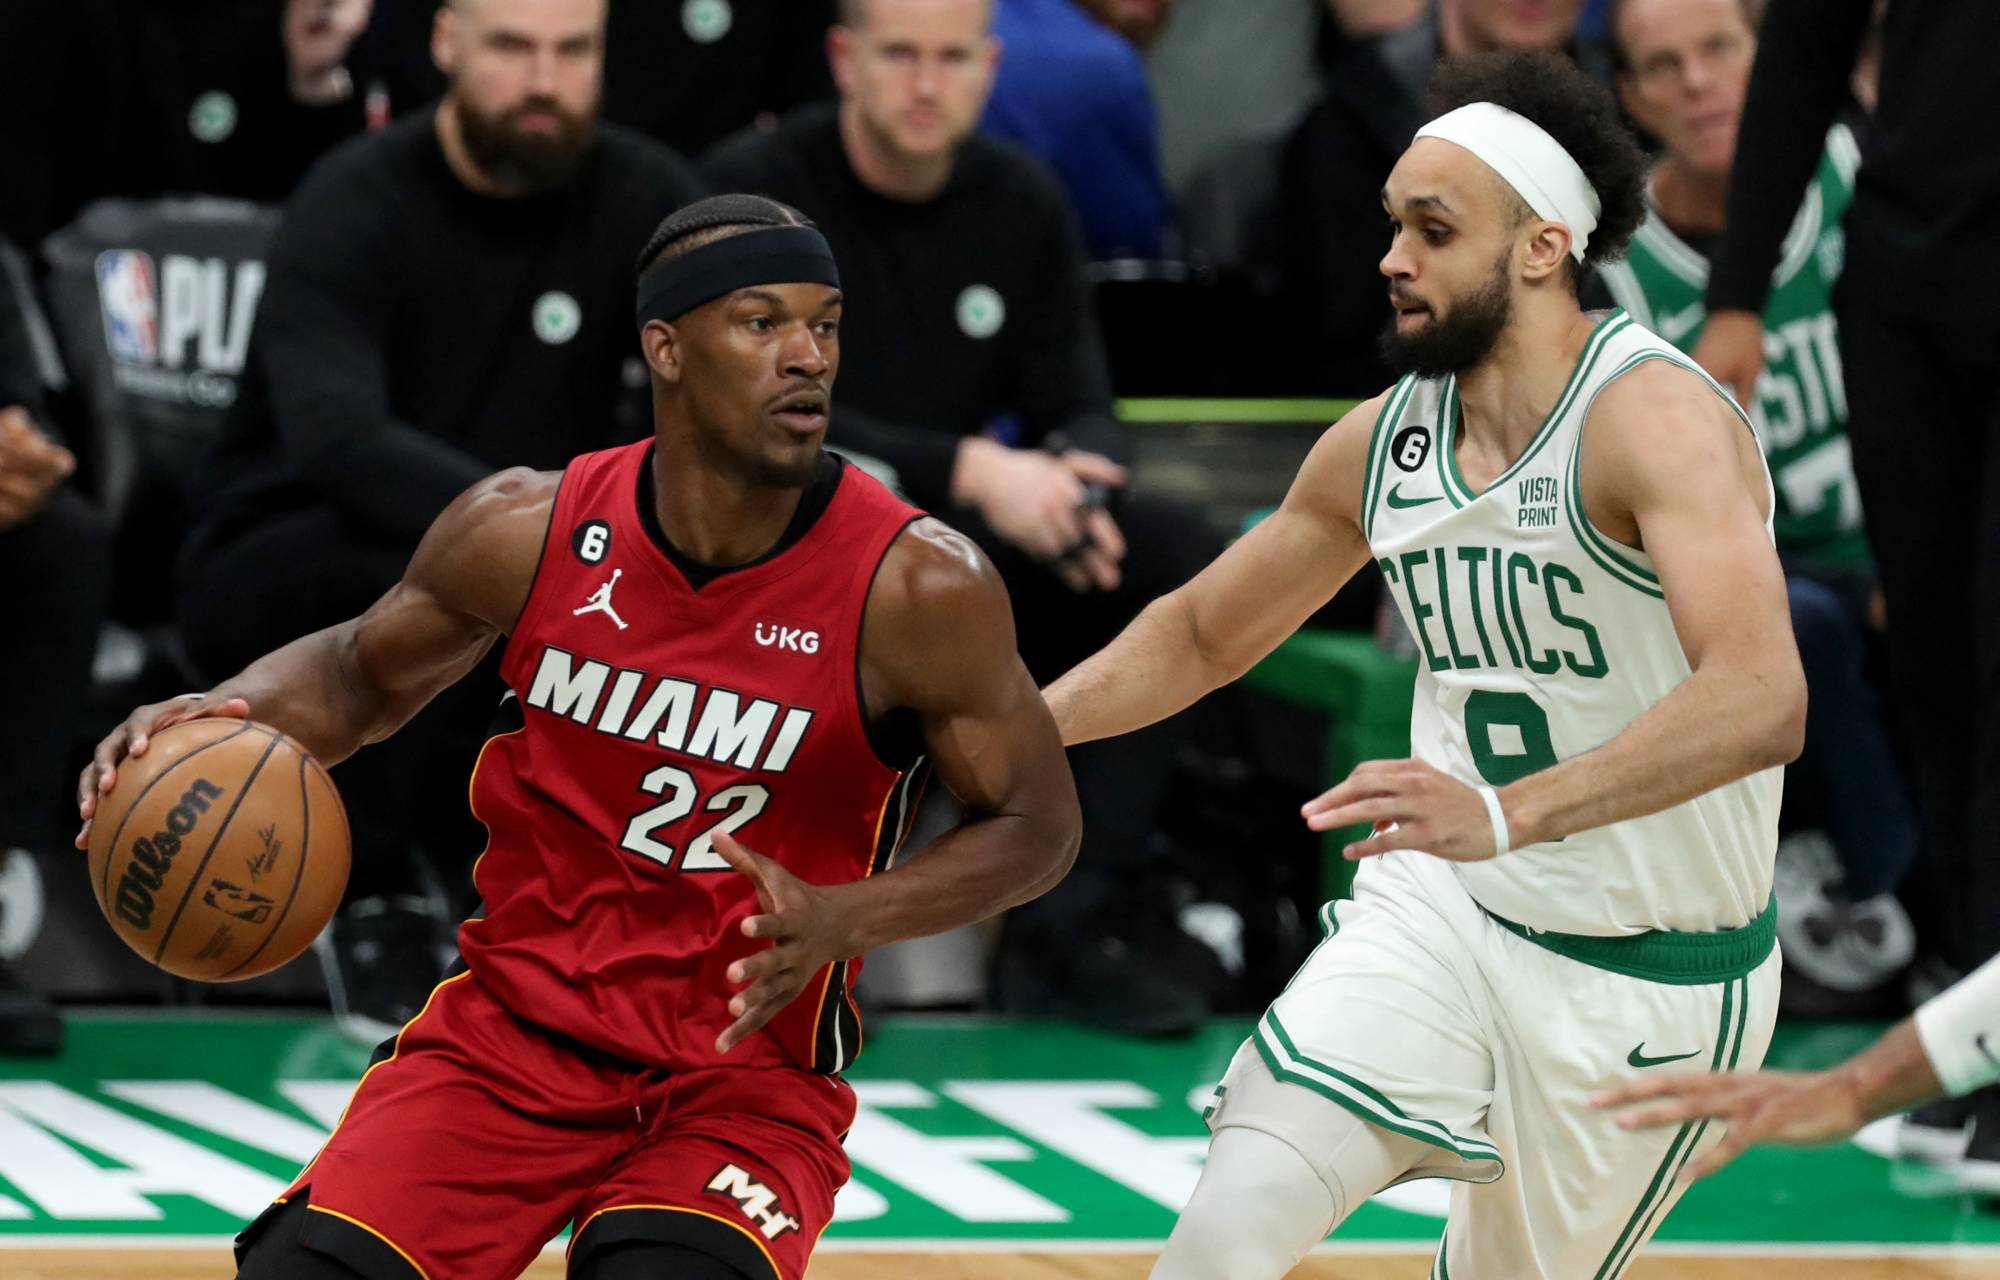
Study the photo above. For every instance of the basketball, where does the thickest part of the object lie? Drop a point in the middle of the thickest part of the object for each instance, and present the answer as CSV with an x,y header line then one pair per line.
x,y
222,852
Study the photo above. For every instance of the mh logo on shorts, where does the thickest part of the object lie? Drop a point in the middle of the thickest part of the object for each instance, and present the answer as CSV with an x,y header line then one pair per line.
x,y
758,1202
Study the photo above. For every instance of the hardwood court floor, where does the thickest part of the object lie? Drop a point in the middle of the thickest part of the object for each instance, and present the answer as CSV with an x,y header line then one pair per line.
x,y
190,1264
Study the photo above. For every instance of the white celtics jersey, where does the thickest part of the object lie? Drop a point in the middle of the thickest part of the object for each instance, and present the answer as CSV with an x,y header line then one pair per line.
x,y
1540,639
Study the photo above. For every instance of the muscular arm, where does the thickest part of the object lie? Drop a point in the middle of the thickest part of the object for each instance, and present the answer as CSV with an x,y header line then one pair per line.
x,y
1666,466
939,639
1210,631
358,682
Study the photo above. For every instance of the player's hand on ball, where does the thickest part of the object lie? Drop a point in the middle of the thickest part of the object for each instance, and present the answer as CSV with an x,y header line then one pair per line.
x,y
1793,1108
1411,805
131,739
805,931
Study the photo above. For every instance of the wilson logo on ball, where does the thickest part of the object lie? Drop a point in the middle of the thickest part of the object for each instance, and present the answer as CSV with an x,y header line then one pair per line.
x,y
153,855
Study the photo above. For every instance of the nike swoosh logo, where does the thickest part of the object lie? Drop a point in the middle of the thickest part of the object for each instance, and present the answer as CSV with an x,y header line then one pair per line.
x,y
1401,503
1979,1043
1638,1058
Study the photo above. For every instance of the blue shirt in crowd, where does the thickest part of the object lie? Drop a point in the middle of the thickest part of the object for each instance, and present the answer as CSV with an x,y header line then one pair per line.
x,y
1075,93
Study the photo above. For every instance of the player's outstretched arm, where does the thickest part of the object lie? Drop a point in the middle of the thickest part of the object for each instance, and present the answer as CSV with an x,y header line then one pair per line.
x,y
1791,1108
1950,1045
1193,641
355,683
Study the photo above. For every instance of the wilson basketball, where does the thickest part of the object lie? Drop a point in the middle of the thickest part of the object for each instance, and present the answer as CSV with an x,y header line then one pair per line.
x,y
222,852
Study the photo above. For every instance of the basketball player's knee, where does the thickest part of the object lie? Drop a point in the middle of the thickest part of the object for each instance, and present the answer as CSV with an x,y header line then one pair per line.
x,y
650,1260
1258,1207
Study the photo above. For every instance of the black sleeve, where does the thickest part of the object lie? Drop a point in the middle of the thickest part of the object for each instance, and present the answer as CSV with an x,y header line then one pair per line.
x,y
1062,378
322,334
923,459
1805,57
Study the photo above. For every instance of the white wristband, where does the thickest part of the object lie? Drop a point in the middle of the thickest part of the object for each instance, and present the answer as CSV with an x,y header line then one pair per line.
x,y
1497,817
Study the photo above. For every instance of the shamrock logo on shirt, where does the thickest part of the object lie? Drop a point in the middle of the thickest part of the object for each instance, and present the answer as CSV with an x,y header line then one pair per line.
x,y
981,311
557,317
706,21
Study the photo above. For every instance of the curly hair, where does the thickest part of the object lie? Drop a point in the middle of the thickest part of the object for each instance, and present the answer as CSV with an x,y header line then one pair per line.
x,y
1574,110
715,218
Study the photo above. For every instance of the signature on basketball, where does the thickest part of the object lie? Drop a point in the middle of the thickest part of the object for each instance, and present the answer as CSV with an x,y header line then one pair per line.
x,y
262,862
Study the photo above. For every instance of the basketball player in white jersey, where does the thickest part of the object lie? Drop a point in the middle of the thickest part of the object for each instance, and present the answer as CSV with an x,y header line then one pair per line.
x,y
1570,883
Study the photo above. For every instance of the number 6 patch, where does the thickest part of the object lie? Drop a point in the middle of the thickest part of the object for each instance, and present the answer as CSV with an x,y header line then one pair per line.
x,y
1410,447
591,541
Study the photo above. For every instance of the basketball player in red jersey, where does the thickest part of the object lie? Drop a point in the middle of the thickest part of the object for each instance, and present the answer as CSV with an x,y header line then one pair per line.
x,y
720,633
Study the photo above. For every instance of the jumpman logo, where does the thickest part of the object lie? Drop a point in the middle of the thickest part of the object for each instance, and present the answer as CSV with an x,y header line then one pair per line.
x,y
600,601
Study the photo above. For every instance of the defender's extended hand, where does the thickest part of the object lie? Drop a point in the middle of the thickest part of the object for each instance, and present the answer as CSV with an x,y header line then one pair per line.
x,y
806,935
1433,812
1794,1108
130,739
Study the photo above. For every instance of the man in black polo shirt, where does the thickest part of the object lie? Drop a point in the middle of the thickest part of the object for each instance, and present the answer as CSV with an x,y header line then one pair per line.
x,y
446,298
972,367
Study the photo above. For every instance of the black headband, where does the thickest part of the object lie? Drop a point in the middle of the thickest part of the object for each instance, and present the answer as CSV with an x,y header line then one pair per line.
x,y
777,255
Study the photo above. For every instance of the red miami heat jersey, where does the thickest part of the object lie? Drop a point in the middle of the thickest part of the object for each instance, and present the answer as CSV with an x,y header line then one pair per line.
x,y
645,716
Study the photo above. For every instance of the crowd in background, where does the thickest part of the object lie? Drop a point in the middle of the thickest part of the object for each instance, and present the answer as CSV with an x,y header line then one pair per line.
x,y
281,277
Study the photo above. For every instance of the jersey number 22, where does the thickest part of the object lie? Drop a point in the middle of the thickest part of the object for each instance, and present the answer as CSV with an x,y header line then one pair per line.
x,y
737,805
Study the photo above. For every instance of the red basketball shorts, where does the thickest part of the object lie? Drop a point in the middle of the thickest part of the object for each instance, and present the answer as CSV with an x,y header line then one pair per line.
x,y
480,1136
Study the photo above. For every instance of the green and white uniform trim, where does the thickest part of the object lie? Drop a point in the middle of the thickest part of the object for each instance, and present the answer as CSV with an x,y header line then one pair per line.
x,y
1474,1047
1801,401
1542,638
1666,1178
1285,1061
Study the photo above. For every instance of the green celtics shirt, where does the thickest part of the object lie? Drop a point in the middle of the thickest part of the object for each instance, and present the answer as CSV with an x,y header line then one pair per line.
x,y
1801,408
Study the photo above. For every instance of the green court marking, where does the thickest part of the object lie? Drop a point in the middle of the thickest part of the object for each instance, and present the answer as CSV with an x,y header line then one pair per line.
x,y
971,1130
1234,411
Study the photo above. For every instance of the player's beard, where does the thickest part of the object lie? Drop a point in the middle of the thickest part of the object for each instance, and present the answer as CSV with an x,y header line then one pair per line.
x,y
527,163
1458,338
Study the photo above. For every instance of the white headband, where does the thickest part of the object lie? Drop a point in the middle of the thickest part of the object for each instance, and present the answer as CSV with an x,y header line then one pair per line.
x,y
1528,160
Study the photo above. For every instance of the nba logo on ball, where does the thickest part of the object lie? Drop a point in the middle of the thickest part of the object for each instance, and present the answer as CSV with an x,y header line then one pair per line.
x,y
706,21
129,297
557,317
981,311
